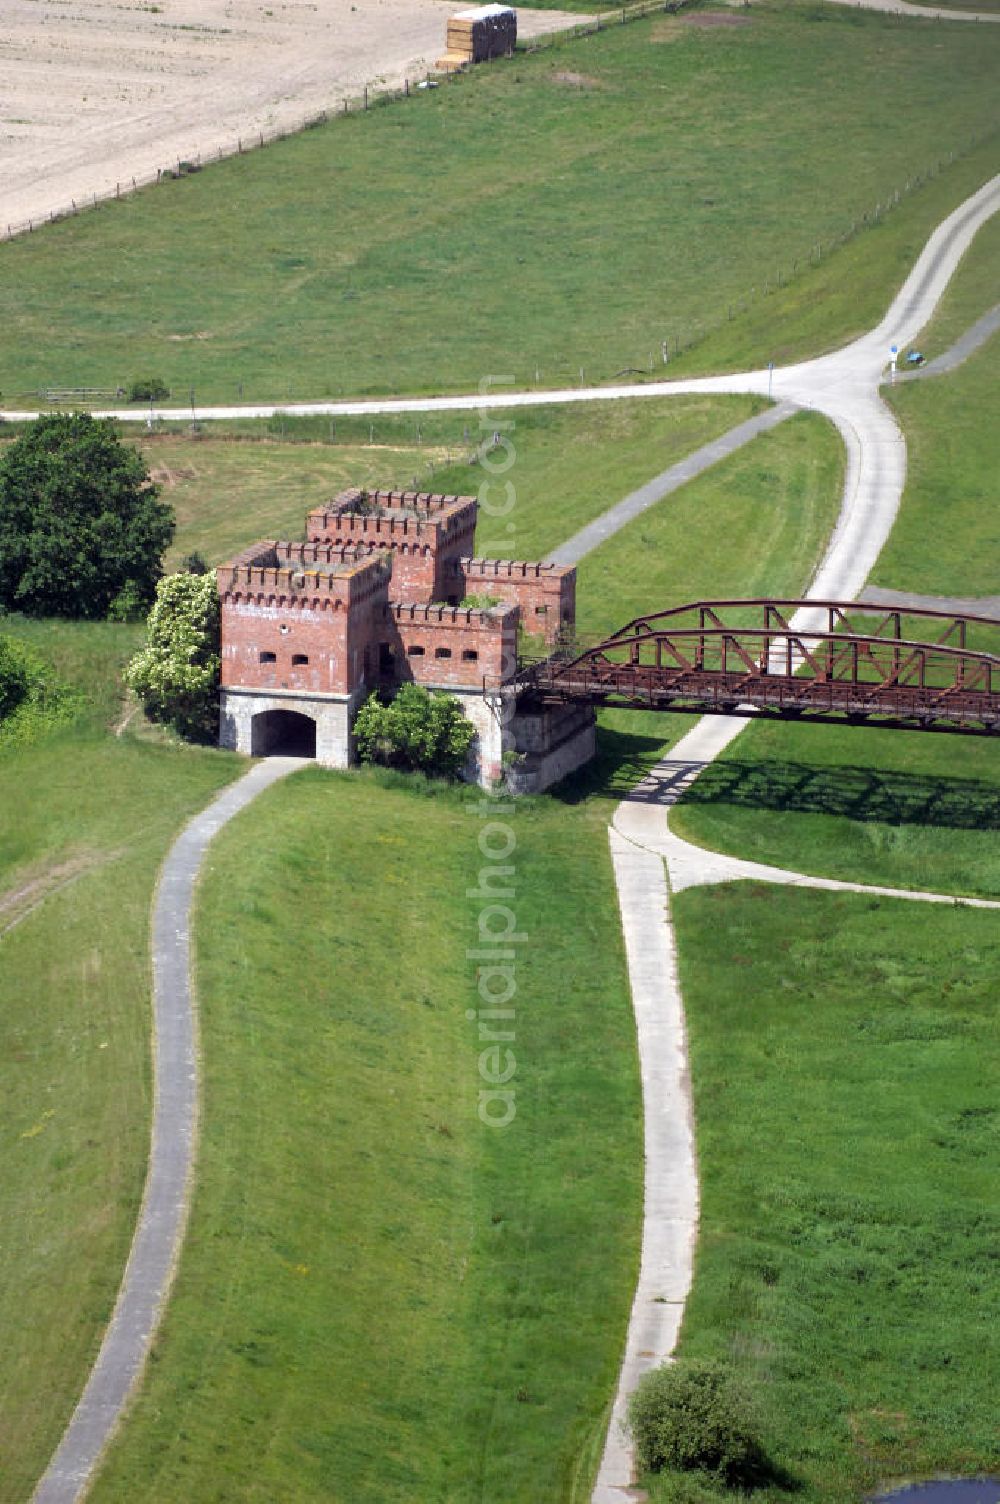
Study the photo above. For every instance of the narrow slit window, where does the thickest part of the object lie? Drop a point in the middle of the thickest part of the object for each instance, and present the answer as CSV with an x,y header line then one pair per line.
x,y
415,651
442,652
268,657
469,655
299,659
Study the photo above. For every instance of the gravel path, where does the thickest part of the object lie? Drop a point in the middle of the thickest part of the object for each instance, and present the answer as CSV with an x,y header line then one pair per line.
x,y
163,1218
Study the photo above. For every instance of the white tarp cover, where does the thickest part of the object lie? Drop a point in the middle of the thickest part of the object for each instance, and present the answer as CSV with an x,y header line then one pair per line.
x,y
484,12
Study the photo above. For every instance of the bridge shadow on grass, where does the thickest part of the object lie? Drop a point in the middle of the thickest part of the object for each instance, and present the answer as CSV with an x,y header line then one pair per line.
x,y
625,759
856,793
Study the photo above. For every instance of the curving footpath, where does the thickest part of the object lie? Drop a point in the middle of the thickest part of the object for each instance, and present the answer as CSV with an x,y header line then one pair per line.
x,y
968,343
163,1217
646,855
650,861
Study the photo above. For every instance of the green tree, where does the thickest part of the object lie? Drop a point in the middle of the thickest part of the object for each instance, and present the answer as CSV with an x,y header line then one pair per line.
x,y
416,731
80,520
693,1415
176,675
13,677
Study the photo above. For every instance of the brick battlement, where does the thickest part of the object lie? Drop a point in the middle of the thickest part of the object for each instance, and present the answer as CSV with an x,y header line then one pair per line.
x,y
519,569
451,646
497,618
370,601
302,575
545,593
422,529
420,505
392,514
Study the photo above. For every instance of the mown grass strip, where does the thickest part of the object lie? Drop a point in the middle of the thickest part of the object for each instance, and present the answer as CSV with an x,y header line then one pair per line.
x,y
880,806
947,537
843,1051
83,805
556,469
756,524
374,1299
666,166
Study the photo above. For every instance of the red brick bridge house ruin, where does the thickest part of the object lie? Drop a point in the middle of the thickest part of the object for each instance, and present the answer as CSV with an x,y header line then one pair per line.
x,y
371,600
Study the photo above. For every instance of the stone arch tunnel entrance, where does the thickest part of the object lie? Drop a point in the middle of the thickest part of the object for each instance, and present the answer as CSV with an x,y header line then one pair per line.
x,y
283,733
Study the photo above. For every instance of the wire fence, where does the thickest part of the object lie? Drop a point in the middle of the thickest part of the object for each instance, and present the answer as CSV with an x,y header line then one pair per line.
x,y
674,337
693,332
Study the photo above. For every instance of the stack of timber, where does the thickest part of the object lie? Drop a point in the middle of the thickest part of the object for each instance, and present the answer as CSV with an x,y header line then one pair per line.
x,y
475,36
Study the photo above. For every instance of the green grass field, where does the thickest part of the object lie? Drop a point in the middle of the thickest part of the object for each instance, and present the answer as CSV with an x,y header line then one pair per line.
x,y
559,1426
756,523
234,483
229,485
226,492
847,291
567,465
947,538
843,1053
380,1298
904,810
87,820
634,201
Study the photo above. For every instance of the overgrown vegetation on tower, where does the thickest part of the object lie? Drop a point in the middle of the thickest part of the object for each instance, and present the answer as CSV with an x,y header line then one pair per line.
x,y
417,731
176,675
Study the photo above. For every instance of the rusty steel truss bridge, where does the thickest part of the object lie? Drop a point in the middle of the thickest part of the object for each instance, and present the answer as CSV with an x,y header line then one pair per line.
x,y
788,659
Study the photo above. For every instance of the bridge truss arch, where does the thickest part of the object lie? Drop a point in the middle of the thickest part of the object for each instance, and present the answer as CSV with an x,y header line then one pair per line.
x,y
790,659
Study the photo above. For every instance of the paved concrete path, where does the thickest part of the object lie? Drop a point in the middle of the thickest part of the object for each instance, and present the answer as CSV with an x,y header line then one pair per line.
x,y
844,386
961,605
163,1217
640,819
661,486
981,331
918,12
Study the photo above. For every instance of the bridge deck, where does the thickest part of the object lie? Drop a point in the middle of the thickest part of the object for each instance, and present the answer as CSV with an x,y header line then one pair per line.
x,y
905,669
